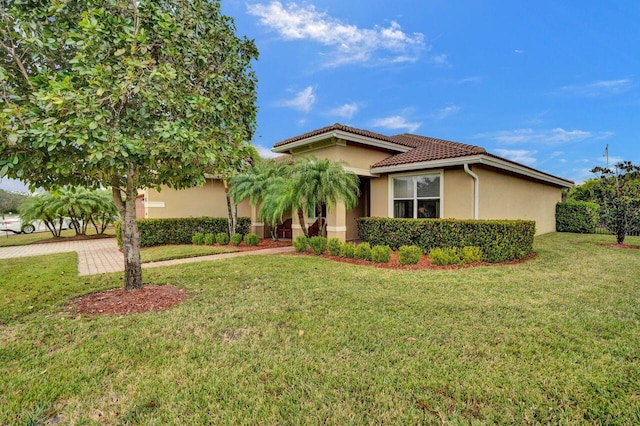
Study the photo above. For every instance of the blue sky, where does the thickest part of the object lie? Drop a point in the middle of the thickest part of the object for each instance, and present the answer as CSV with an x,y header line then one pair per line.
x,y
549,84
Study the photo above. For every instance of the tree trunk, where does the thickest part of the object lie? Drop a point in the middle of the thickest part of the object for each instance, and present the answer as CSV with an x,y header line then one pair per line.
x,y
230,210
130,234
302,223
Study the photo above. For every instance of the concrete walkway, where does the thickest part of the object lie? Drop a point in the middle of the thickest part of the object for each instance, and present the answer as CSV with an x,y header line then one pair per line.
x,y
102,255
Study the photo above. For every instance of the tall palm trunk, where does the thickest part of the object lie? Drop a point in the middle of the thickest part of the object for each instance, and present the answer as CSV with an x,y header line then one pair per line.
x,y
302,222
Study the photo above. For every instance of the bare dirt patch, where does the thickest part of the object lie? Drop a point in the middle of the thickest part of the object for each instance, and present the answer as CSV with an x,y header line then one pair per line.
x,y
122,302
425,262
620,246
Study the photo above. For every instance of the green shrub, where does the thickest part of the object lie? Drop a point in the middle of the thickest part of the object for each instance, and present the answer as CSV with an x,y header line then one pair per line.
x,y
471,254
455,255
381,254
318,245
251,239
222,238
409,255
301,243
236,239
348,250
209,239
363,251
499,240
577,216
179,230
334,246
197,238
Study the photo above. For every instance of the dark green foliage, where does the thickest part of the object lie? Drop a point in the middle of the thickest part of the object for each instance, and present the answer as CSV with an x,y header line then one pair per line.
x,y
334,246
577,216
197,238
301,243
209,239
409,255
348,250
179,231
363,251
222,238
318,245
251,239
499,240
10,201
381,254
236,239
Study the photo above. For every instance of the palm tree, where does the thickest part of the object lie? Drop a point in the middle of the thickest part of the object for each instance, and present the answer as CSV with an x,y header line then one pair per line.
x,y
41,207
319,183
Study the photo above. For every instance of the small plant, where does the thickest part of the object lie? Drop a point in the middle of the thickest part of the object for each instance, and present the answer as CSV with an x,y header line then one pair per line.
x,y
222,238
381,254
318,245
197,238
209,239
471,254
409,255
363,251
334,246
301,243
348,250
236,239
251,239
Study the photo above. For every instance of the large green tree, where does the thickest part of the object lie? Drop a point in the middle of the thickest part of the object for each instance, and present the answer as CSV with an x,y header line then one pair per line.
x,y
122,94
618,195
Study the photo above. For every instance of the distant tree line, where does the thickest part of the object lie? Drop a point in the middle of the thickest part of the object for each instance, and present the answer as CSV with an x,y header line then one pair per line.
x,y
10,201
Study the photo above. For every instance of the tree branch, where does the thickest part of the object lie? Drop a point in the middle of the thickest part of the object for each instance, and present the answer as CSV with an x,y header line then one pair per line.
x,y
18,62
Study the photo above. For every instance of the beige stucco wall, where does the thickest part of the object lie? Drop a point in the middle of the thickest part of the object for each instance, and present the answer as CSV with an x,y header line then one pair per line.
x,y
458,194
380,196
504,196
206,200
356,156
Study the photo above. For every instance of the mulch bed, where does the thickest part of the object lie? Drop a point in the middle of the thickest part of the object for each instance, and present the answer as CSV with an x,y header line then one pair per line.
x,y
621,246
122,302
424,263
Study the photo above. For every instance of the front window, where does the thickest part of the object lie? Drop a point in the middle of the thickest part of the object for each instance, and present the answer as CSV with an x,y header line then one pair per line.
x,y
416,196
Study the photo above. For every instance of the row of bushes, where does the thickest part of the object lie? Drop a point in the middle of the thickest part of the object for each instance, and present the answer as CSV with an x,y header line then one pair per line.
x,y
497,240
222,238
180,231
577,216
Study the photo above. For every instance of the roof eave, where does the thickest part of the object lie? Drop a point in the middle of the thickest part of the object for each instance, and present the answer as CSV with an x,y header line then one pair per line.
x,y
341,134
476,159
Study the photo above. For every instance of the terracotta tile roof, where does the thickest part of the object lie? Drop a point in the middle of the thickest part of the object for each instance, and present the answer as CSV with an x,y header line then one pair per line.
x,y
428,149
335,127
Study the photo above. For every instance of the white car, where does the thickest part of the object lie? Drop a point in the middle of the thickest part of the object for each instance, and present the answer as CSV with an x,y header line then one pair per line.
x,y
15,225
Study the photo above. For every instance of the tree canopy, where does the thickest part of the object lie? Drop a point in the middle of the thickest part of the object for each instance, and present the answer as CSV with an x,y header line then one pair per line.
x,y
123,94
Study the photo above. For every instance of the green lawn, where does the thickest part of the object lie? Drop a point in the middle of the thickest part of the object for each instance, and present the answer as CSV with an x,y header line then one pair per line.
x,y
303,340
10,239
158,253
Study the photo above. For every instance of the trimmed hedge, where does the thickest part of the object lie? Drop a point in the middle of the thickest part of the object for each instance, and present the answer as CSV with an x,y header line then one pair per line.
x,y
499,240
180,230
577,216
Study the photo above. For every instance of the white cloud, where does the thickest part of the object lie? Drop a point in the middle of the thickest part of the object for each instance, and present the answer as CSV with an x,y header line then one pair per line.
x,y
346,111
439,60
518,51
599,88
555,136
445,112
266,152
396,122
302,101
349,42
518,155
466,80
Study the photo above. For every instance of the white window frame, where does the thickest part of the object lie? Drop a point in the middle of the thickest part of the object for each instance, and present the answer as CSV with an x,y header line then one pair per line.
x,y
439,172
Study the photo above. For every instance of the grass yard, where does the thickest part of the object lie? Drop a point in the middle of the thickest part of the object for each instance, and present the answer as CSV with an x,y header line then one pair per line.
x,y
158,253
303,340
8,239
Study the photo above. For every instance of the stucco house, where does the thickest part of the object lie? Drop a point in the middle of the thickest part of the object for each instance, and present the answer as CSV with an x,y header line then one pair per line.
x,y
404,175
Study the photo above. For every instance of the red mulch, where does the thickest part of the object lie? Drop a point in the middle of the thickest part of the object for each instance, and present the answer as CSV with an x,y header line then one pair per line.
x,y
122,302
424,263
622,246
